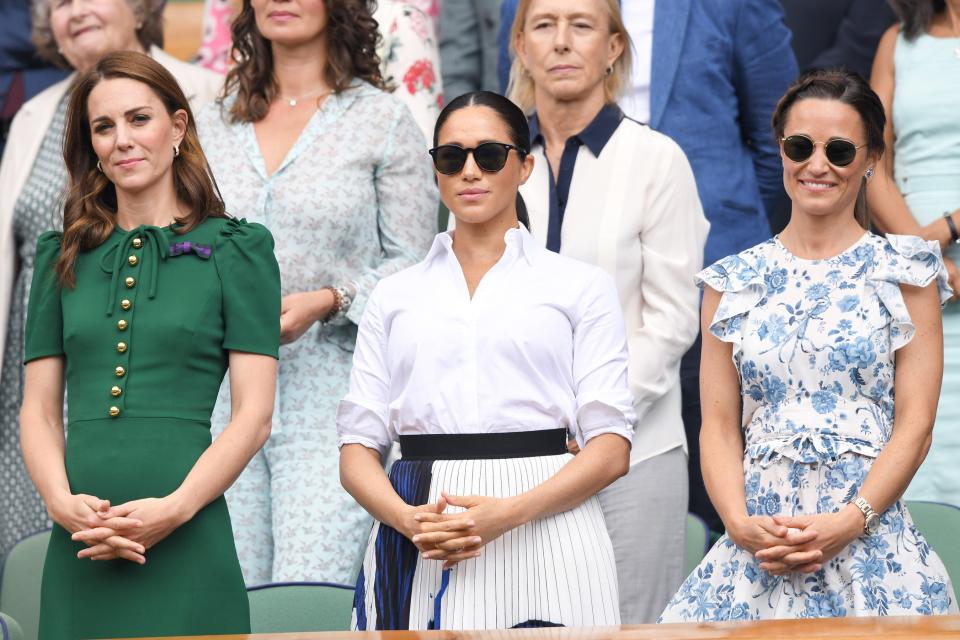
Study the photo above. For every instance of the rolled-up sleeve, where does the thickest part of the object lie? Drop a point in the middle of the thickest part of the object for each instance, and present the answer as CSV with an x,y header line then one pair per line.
x,y
363,415
604,401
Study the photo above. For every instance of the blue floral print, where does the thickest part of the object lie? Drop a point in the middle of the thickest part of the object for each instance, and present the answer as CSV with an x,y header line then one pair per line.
x,y
814,343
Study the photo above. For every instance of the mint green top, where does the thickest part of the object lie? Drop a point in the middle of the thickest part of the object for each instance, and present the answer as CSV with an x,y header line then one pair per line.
x,y
154,320
926,113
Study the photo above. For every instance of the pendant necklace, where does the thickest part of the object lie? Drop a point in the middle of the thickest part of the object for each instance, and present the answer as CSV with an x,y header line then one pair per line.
x,y
313,94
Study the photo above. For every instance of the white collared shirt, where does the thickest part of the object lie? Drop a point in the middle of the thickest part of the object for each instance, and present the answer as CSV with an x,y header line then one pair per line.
x,y
540,345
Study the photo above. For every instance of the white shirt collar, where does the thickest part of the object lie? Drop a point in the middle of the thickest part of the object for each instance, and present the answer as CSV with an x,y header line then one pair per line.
x,y
518,239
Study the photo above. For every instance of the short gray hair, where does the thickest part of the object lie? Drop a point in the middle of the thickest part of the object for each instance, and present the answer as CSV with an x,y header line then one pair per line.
x,y
149,14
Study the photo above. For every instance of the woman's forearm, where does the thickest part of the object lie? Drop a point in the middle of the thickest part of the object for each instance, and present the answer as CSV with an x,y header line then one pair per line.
x,y
363,477
721,462
224,460
42,442
896,465
605,458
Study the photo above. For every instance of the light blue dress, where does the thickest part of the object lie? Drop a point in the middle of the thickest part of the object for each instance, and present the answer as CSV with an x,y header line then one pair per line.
x,y
813,343
927,171
354,200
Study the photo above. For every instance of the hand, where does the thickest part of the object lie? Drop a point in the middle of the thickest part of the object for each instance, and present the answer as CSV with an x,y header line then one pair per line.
x,y
834,531
105,544
160,518
430,529
953,276
78,512
572,446
756,533
299,311
491,517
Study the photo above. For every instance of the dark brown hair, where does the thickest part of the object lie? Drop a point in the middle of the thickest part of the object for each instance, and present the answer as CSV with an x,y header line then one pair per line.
x,y
89,213
917,15
352,37
149,14
849,88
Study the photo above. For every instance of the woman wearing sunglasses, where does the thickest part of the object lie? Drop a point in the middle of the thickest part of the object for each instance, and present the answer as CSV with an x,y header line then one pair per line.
x,y
917,187
813,333
478,361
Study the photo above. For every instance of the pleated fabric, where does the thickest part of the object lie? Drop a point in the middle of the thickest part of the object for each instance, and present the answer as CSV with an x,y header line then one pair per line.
x,y
556,571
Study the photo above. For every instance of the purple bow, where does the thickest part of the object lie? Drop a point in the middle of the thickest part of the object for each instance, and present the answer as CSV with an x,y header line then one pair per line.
x,y
180,248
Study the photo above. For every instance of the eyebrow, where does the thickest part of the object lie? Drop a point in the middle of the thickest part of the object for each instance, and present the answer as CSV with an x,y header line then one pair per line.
x,y
125,113
570,16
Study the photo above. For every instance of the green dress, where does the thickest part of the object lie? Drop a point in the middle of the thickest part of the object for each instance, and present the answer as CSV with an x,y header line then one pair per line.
x,y
145,334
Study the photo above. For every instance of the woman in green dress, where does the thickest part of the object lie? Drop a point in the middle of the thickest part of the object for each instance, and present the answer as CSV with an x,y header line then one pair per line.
x,y
140,305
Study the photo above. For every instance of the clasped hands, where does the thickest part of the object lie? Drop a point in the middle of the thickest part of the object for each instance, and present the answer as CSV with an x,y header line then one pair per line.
x,y
802,544
453,537
125,531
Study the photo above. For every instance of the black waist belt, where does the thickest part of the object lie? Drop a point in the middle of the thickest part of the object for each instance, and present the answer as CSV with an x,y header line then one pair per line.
x,y
483,446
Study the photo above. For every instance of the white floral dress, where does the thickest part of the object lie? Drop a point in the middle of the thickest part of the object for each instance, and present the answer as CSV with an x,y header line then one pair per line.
x,y
813,342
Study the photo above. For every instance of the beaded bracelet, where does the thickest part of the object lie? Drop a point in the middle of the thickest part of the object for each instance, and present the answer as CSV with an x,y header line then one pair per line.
x,y
954,233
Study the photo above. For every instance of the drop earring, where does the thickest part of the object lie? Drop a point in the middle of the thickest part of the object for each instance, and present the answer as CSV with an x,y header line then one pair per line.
x,y
99,168
176,151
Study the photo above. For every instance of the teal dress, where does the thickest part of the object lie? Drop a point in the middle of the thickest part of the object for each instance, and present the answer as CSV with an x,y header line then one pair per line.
x,y
145,335
927,171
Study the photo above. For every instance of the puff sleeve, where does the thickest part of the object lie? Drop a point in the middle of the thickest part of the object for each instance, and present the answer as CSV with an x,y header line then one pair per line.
x,y
742,287
44,325
250,286
912,261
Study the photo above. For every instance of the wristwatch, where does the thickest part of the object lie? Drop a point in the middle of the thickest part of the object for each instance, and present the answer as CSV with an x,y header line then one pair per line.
x,y
871,519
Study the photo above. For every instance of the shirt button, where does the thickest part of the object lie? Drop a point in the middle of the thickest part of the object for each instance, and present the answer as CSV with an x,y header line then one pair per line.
x,y
121,347
129,281
137,243
122,325
121,372
132,261
114,412
125,304
115,391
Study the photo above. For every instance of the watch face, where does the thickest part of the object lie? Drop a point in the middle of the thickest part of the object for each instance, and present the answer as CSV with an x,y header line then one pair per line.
x,y
872,523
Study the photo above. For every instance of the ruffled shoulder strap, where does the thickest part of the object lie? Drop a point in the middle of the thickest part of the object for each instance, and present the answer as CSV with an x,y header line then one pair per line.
x,y
738,277
907,260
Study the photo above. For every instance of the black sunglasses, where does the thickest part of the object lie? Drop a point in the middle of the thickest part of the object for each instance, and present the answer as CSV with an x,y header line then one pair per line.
x,y
489,156
840,152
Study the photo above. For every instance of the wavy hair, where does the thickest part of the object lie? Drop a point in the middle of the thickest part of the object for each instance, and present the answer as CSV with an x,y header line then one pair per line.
x,y
851,89
89,212
916,15
352,38
520,87
149,14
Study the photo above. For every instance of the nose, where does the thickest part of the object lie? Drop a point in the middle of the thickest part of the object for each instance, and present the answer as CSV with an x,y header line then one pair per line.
x,y
471,170
123,139
561,37
818,162
78,8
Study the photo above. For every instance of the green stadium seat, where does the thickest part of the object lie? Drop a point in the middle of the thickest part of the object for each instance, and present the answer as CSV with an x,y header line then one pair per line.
x,y
300,606
940,525
20,587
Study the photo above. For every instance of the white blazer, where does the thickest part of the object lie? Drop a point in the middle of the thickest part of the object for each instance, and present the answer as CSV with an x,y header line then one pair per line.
x,y
634,211
27,130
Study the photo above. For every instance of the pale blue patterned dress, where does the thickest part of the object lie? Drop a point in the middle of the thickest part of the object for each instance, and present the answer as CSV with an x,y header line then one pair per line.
x,y
813,342
354,200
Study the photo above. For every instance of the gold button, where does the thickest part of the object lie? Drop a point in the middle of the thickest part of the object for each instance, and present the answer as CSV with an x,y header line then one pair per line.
x,y
115,391
129,281
122,325
121,347
137,243
121,372
125,304
114,412
132,261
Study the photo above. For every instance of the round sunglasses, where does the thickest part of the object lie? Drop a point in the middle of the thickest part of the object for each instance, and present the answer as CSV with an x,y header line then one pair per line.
x,y
840,152
489,156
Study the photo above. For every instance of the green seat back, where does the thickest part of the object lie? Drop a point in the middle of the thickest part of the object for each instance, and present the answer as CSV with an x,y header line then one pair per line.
x,y
20,588
299,607
9,629
697,536
940,525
